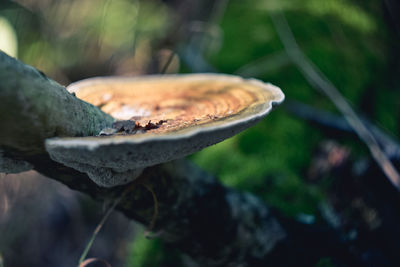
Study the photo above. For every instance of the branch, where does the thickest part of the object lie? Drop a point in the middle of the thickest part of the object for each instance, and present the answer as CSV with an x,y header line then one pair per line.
x,y
34,107
330,121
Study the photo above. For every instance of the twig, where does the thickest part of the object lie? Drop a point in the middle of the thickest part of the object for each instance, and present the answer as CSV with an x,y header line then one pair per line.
x,y
155,214
326,119
94,262
217,13
265,64
103,220
318,80
169,60
193,52
97,230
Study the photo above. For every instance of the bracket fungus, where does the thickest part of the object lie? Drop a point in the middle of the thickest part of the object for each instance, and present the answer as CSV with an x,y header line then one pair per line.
x,y
160,118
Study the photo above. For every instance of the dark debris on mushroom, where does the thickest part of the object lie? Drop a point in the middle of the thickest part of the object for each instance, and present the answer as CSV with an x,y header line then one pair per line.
x,y
130,127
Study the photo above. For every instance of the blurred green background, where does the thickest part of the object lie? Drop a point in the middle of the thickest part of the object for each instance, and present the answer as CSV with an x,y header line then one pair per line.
x,y
353,42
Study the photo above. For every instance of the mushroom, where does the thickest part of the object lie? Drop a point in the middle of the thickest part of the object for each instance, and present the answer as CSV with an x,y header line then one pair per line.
x,y
160,118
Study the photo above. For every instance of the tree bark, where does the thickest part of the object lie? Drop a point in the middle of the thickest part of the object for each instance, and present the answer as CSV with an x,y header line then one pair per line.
x,y
34,107
212,224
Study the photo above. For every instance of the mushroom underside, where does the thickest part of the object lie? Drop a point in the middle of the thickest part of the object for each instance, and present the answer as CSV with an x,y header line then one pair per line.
x,y
110,164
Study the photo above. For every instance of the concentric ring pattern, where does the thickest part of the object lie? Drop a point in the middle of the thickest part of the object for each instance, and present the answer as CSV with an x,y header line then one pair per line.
x,y
179,103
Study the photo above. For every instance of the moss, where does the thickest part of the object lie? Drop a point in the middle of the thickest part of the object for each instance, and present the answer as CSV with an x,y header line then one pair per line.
x,y
325,262
146,252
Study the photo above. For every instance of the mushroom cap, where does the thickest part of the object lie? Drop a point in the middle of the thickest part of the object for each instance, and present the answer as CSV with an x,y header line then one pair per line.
x,y
191,111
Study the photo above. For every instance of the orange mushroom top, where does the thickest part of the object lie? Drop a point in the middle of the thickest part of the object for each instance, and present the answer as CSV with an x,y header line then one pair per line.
x,y
177,104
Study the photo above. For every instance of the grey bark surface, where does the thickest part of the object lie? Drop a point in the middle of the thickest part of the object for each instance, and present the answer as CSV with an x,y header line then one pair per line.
x,y
212,224
34,107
